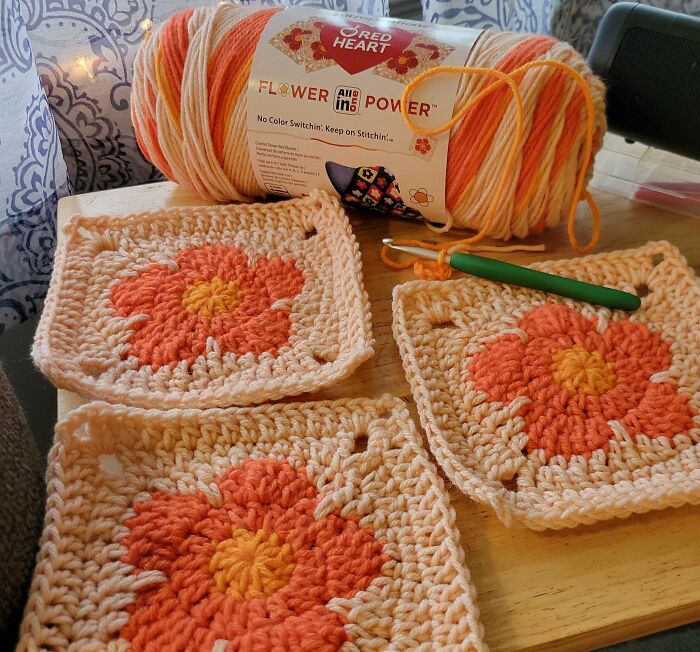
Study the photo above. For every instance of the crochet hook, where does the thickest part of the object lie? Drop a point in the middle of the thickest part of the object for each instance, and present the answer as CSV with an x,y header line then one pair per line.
x,y
497,270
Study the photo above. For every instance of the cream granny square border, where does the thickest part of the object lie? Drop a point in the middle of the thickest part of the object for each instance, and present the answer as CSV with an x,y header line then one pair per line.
x,y
80,341
439,326
364,457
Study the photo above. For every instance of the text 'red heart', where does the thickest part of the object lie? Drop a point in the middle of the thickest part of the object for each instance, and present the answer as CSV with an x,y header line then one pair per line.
x,y
356,46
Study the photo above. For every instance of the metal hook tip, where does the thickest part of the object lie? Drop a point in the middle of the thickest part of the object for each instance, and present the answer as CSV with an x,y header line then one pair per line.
x,y
388,241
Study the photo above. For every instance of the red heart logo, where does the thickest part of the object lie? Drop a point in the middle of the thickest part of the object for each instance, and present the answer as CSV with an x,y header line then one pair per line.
x,y
357,46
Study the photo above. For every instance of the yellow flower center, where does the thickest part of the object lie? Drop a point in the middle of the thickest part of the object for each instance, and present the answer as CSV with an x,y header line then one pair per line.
x,y
582,371
211,298
401,60
251,565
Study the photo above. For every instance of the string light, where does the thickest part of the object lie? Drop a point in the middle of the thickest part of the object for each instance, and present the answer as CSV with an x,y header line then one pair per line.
x,y
84,63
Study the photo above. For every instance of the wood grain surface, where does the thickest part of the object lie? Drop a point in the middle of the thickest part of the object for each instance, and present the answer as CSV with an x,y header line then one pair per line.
x,y
573,590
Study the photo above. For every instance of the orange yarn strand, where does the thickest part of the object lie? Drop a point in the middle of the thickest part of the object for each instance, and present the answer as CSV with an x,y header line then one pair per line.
x,y
580,192
504,78
432,269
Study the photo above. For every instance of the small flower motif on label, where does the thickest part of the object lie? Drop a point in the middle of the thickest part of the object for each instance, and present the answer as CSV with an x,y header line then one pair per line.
x,y
431,50
319,51
421,196
403,62
422,146
295,39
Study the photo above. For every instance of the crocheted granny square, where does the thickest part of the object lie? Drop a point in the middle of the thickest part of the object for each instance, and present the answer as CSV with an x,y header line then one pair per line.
x,y
207,306
556,412
314,526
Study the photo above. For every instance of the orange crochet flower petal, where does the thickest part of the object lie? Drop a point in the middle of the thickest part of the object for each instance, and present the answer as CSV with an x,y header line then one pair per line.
x,y
317,628
555,320
281,278
636,352
213,294
578,380
268,503
571,433
263,482
153,520
203,263
264,332
157,620
165,340
156,289
662,412
622,398
499,369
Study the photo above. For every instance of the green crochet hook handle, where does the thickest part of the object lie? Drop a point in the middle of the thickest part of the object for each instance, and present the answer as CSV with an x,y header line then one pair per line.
x,y
497,270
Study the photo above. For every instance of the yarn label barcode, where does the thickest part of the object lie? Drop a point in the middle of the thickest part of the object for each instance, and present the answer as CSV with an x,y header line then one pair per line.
x,y
325,109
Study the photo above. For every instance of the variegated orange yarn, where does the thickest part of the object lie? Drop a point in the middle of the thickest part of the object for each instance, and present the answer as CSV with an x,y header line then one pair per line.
x,y
529,117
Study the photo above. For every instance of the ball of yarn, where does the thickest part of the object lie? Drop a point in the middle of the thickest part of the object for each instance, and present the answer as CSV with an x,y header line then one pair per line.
x,y
189,113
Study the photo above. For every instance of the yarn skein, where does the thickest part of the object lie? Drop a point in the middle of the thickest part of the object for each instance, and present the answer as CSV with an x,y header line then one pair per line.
x,y
189,112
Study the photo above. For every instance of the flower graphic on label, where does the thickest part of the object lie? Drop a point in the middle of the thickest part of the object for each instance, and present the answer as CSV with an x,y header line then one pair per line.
x,y
284,90
432,48
421,196
422,145
319,51
295,38
403,62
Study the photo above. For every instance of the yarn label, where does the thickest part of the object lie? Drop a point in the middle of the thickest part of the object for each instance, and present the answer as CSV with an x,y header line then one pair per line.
x,y
324,109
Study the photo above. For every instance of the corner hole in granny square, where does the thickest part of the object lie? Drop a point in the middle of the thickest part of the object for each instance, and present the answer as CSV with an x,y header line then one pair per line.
x,y
642,290
657,259
444,323
360,445
511,483
323,358
311,233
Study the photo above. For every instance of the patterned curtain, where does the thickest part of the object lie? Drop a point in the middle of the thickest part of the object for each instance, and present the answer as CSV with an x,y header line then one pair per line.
x,y
32,175
574,21
504,15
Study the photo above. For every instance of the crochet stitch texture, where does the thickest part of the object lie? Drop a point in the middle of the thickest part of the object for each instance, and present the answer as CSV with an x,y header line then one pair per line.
x,y
207,306
555,412
309,526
